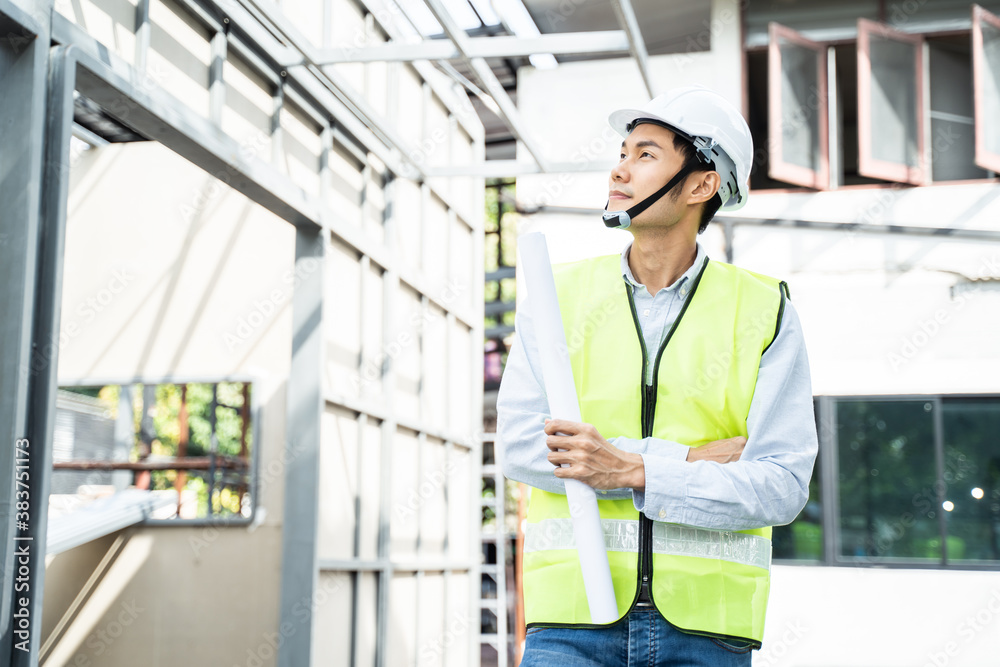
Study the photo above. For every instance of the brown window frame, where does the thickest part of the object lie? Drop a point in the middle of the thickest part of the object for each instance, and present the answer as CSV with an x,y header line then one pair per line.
x,y
868,165
779,170
985,159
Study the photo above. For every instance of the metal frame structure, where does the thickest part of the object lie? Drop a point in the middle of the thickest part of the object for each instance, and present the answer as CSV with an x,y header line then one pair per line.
x,y
497,570
32,260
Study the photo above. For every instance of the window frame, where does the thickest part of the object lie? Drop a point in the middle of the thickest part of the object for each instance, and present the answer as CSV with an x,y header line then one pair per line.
x,y
826,407
254,380
868,165
778,169
984,158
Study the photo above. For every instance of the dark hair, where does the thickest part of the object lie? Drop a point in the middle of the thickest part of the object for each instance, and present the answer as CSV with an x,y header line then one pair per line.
x,y
687,150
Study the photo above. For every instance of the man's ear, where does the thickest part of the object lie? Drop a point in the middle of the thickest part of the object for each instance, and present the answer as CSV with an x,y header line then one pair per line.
x,y
706,184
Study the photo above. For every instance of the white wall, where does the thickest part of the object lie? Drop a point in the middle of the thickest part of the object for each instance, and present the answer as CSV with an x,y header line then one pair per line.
x,y
820,617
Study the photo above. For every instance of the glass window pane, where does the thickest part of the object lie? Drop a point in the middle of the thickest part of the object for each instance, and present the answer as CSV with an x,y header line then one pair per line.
x,y
803,538
972,478
798,115
888,499
890,100
894,110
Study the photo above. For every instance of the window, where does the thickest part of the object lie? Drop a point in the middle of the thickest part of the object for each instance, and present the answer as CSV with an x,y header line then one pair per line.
x,y
797,91
887,474
890,104
874,104
986,67
194,441
803,538
952,122
908,481
971,479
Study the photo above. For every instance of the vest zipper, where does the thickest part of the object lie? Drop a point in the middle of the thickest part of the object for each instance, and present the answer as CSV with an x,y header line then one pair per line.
x,y
645,523
648,415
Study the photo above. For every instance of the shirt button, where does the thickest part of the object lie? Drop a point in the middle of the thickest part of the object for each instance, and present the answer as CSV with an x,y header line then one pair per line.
x,y
663,513
683,291
646,312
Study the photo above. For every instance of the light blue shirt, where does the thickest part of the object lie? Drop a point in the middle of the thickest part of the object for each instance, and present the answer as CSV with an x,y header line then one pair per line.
x,y
768,486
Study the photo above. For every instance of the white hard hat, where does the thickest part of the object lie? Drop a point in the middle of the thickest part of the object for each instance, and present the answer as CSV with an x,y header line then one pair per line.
x,y
706,119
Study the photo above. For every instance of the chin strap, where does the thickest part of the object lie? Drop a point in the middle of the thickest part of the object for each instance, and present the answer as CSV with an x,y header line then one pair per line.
x,y
622,219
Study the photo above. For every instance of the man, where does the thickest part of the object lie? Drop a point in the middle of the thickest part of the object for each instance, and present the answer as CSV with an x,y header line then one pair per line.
x,y
697,424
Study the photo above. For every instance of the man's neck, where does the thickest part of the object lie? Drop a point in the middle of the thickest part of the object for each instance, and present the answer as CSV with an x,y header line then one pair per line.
x,y
658,261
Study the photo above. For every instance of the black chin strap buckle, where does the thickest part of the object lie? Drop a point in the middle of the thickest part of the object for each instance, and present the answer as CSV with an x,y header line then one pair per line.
x,y
616,219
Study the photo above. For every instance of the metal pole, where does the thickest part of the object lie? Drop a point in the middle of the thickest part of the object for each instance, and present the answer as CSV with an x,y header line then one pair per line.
x,y
182,444
305,408
213,447
35,112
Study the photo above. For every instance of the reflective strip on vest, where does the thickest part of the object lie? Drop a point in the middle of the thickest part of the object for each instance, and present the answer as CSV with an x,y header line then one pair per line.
x,y
668,538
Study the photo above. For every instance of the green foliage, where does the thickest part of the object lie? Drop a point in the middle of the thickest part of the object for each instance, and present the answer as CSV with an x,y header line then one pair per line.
x,y
165,414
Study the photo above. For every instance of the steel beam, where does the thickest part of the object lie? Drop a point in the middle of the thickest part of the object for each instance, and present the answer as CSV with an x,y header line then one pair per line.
x,y
506,46
302,419
942,233
382,11
30,253
508,112
637,46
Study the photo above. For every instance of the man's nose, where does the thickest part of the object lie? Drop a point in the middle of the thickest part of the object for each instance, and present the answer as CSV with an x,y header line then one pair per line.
x,y
620,172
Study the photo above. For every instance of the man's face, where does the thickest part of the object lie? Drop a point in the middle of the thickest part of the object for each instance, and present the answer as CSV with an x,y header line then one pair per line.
x,y
647,162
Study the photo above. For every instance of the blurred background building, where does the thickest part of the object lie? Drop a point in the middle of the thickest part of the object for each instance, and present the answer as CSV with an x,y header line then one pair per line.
x,y
250,251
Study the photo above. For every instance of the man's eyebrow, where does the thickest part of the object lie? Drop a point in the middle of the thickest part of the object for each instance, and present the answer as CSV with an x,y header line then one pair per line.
x,y
644,143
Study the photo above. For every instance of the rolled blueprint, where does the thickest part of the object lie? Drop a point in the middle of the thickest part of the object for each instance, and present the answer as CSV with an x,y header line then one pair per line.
x,y
563,404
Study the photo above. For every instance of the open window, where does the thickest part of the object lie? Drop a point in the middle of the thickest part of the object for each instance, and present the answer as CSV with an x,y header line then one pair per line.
x,y
952,125
798,122
890,104
986,86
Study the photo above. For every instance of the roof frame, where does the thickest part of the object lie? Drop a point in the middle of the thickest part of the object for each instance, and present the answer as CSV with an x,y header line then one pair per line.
x,y
508,111
637,45
506,46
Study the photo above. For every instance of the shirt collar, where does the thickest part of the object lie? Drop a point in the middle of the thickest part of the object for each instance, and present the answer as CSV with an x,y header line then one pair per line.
x,y
688,275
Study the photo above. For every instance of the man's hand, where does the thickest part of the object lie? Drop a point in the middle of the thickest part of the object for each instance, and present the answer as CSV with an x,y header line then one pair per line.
x,y
593,460
720,451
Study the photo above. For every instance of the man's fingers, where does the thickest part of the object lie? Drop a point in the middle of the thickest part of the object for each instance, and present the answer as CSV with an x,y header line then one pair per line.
x,y
553,426
559,441
558,458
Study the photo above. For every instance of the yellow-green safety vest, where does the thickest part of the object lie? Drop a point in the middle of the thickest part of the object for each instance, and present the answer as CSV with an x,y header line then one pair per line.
x,y
707,582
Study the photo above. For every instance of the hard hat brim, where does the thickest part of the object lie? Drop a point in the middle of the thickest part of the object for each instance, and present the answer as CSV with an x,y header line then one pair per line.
x,y
620,119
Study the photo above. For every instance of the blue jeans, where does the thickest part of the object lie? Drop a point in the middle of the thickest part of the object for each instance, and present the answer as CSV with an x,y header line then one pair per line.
x,y
642,639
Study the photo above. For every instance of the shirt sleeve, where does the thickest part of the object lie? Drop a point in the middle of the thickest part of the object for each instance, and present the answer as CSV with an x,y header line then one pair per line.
x,y
769,485
522,408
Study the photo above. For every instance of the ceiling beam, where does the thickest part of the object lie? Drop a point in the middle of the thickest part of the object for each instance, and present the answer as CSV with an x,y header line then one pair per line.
x,y
599,41
508,112
505,168
626,17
